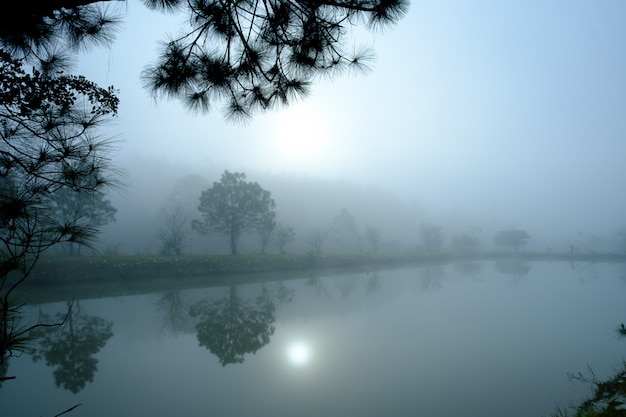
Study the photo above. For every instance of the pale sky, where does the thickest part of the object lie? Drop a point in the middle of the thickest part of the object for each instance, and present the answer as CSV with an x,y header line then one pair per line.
x,y
512,109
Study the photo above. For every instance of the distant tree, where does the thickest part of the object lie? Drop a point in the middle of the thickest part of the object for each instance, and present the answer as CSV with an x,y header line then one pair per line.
x,y
345,231
252,56
315,239
622,240
372,236
465,243
284,235
233,206
587,242
511,239
266,230
172,229
91,209
431,237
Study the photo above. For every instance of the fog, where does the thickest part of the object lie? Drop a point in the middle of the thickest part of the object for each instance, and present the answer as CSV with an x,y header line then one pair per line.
x,y
476,117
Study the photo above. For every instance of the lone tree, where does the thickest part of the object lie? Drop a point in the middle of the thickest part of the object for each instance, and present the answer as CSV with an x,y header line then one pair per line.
x,y
233,206
173,220
248,56
431,237
284,234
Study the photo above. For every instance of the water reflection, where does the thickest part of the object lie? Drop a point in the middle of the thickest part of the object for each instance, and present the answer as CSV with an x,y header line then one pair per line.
x,y
514,267
283,294
432,277
71,348
468,268
372,283
367,344
173,308
231,327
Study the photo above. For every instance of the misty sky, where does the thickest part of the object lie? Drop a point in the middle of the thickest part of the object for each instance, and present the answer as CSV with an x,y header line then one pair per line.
x,y
511,110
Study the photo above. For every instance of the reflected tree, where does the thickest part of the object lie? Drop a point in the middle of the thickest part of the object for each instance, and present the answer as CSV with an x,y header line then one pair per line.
x,y
468,268
372,283
71,347
282,293
231,328
518,269
431,277
318,287
171,304
345,285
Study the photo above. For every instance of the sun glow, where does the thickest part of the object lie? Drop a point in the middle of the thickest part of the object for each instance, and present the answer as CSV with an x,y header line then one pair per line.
x,y
299,354
301,136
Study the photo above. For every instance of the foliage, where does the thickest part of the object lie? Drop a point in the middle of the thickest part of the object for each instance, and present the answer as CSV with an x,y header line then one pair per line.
x,y
173,220
71,347
266,230
372,237
90,209
345,232
246,56
609,396
284,234
254,56
431,237
465,243
46,33
230,328
233,206
47,147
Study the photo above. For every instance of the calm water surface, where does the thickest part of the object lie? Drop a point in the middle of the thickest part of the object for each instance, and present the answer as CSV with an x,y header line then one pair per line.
x,y
475,339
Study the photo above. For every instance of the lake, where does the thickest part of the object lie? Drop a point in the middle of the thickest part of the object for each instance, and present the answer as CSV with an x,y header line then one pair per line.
x,y
468,339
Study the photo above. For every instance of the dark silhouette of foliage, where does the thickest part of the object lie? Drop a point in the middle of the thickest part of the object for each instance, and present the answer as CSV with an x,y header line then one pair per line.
x,y
230,328
48,32
173,310
90,209
71,347
233,206
247,56
48,147
256,55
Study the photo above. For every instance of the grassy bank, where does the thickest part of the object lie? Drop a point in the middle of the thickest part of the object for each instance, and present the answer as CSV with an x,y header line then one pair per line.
x,y
608,398
60,278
